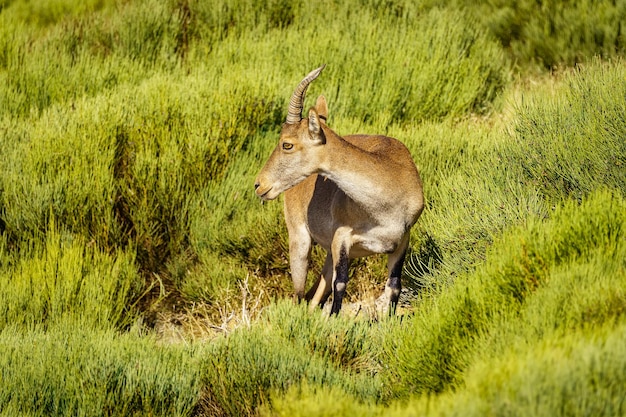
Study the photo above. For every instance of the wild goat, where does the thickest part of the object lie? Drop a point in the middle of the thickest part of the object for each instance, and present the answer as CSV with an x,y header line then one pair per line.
x,y
355,196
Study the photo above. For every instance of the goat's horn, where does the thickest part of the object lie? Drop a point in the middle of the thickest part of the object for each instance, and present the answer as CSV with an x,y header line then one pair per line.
x,y
294,115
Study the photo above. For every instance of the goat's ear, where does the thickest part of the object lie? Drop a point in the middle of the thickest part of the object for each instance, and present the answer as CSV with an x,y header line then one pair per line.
x,y
322,108
315,128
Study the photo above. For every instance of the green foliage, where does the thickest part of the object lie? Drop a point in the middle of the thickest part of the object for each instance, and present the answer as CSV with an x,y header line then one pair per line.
x,y
305,400
434,350
465,212
576,375
42,13
342,342
124,169
244,369
440,65
68,278
546,34
569,143
74,370
554,33
132,132
563,144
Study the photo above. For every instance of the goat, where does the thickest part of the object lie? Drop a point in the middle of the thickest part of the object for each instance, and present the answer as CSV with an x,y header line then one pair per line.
x,y
355,196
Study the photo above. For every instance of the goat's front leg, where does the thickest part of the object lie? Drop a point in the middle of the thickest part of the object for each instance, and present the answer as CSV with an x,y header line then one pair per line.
x,y
299,251
341,262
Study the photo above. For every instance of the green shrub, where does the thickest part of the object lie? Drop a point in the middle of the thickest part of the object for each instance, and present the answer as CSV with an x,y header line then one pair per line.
x,y
85,55
307,400
533,32
50,12
435,349
382,71
577,375
464,211
67,277
563,144
343,342
124,169
74,370
244,369
558,32
570,143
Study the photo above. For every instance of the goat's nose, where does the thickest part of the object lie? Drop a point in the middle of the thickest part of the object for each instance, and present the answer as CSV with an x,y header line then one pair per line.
x,y
256,185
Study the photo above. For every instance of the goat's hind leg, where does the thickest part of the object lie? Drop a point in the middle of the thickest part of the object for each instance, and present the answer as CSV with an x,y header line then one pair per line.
x,y
340,280
395,262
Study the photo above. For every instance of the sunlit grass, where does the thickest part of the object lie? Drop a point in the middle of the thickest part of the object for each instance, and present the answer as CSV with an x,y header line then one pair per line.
x,y
139,274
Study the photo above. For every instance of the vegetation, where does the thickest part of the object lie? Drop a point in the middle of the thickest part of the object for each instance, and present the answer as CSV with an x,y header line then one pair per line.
x,y
139,275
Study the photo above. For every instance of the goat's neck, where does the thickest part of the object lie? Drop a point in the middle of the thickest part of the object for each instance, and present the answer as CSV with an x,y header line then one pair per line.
x,y
363,176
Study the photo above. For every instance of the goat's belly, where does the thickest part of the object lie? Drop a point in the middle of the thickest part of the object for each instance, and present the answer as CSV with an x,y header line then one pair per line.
x,y
324,240
380,239
366,244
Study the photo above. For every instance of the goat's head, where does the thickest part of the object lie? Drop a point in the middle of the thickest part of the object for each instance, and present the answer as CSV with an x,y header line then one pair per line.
x,y
299,152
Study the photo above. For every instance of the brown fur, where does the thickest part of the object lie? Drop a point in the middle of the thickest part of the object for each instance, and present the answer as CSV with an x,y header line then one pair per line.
x,y
358,193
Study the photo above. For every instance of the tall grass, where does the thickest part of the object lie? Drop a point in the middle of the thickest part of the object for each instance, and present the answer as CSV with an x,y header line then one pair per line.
x,y
553,34
131,134
435,350
74,370
68,278
247,367
568,144
533,330
575,375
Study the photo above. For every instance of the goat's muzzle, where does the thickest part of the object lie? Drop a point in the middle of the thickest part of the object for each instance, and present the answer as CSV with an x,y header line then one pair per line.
x,y
263,192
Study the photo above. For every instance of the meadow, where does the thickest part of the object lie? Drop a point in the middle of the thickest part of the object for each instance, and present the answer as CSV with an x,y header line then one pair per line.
x,y
140,275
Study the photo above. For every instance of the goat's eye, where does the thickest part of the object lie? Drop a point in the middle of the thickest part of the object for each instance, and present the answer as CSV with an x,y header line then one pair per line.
x,y
287,146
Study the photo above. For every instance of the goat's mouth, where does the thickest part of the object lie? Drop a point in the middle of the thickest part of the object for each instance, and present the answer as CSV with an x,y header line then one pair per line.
x,y
264,192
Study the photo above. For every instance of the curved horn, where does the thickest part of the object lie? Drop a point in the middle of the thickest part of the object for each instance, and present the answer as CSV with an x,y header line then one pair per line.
x,y
294,114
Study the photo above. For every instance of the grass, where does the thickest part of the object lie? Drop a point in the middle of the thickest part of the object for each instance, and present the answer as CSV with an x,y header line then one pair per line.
x,y
68,278
581,242
72,369
575,375
140,275
538,329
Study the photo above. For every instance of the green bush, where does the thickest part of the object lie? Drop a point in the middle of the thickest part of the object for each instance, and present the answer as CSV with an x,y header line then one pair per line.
x,y
434,350
47,13
74,370
569,143
558,32
560,144
67,277
124,169
577,375
439,65
243,370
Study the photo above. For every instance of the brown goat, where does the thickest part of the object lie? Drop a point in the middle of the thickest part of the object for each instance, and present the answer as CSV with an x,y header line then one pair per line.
x,y
355,196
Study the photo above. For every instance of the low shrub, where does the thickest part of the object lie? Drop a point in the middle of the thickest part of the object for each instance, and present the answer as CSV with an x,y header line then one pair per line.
x,y
568,143
554,34
243,371
434,350
72,369
68,278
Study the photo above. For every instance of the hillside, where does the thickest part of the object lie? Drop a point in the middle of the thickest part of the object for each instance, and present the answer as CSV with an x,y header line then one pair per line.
x,y
140,275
